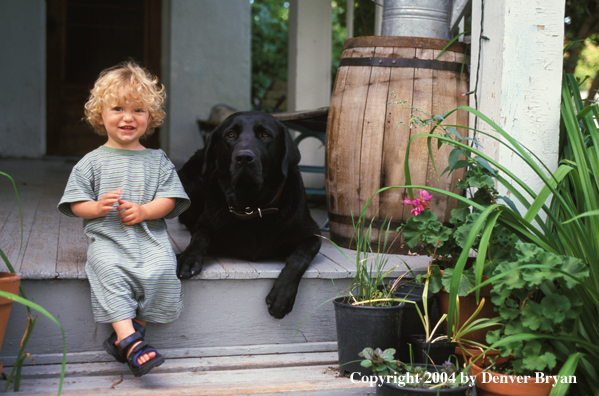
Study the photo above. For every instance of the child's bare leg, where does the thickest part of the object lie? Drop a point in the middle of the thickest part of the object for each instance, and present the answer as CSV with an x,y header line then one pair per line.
x,y
123,329
141,322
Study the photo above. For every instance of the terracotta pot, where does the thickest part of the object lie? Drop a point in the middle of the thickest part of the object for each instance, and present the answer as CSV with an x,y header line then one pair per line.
x,y
489,383
468,306
9,283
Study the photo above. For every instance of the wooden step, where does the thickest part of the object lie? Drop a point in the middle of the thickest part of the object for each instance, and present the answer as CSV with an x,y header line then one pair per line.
x,y
296,373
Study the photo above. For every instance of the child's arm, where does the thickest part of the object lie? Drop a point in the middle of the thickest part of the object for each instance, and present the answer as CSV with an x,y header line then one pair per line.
x,y
133,213
94,209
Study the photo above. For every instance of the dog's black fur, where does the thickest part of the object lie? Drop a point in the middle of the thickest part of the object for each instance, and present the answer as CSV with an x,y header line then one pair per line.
x,y
249,159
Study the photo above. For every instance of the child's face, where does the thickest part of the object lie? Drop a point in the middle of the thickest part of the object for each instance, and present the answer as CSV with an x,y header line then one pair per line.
x,y
126,122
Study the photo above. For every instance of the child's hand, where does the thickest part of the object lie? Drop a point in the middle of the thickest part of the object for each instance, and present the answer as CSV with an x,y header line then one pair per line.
x,y
106,203
132,213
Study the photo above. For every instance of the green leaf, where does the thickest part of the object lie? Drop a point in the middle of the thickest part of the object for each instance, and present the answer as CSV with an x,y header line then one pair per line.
x,y
527,252
463,184
493,336
514,328
485,164
435,283
531,315
436,235
555,306
511,278
461,234
465,284
509,313
481,181
416,226
367,353
538,276
576,268
366,363
454,157
388,354
535,362
458,215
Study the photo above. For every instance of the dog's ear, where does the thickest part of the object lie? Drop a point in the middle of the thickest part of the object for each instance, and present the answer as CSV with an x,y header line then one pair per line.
x,y
291,156
210,165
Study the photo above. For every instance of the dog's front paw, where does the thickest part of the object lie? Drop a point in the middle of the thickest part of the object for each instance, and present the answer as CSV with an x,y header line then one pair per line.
x,y
280,300
188,265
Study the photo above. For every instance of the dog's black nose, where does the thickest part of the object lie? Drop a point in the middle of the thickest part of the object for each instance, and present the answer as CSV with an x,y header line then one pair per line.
x,y
245,157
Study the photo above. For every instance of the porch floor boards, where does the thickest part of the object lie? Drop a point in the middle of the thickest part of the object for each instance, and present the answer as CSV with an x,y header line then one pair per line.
x,y
53,245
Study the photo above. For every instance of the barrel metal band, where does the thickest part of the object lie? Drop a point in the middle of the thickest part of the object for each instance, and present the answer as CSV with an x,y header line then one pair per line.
x,y
403,62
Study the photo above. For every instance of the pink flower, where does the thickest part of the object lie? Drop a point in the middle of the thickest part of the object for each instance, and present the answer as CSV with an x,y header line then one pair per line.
x,y
420,204
417,210
424,195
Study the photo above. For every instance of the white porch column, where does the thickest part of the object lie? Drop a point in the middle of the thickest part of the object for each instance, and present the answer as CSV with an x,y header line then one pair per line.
x,y
206,61
309,82
519,80
310,46
23,78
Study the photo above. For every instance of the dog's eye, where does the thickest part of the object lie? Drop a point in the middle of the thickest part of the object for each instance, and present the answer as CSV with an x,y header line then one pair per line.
x,y
231,134
265,134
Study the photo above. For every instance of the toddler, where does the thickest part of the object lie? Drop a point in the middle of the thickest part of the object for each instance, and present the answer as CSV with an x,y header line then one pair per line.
x,y
124,191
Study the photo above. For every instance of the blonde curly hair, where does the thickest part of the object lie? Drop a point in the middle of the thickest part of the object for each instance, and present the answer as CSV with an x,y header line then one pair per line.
x,y
137,82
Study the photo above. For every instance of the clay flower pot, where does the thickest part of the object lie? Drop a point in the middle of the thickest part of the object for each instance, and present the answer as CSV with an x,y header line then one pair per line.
x,y
489,383
9,282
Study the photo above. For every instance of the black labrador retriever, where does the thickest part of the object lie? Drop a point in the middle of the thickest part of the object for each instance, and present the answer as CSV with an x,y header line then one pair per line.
x,y
248,201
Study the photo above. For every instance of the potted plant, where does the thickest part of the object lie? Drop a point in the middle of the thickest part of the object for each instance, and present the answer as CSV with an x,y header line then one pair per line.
x,y
9,283
430,347
535,296
444,244
396,378
411,323
368,312
10,294
562,218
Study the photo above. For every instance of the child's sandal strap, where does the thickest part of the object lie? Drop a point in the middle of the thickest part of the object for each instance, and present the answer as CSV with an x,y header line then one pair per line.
x,y
113,350
126,342
138,350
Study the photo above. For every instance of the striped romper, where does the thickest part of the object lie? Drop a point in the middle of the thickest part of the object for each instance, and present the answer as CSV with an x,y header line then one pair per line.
x,y
131,269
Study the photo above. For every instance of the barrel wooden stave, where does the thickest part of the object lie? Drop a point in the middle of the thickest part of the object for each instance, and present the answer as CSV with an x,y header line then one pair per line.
x,y
366,145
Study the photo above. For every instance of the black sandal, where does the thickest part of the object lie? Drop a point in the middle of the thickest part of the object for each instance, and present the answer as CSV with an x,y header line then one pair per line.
x,y
138,350
112,348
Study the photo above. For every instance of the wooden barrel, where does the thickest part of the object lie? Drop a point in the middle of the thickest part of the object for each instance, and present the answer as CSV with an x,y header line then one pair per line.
x,y
367,133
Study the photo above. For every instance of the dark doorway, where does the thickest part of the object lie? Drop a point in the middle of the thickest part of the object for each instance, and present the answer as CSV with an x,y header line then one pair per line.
x,y
83,38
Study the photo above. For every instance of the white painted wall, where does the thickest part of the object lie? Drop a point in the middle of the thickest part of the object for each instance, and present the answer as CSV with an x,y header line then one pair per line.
x,y
309,82
519,82
207,61
22,78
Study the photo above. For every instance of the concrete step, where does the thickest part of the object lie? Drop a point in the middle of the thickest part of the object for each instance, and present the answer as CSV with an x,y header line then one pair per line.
x,y
301,374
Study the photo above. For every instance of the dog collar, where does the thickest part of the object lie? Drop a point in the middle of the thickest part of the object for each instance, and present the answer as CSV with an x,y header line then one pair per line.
x,y
251,213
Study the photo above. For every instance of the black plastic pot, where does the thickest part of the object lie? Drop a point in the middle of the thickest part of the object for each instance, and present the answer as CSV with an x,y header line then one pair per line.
x,y
359,327
391,389
424,352
411,322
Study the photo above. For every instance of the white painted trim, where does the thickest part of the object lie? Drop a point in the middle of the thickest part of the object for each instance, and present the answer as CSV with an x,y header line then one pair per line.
x,y
519,82
378,17
349,19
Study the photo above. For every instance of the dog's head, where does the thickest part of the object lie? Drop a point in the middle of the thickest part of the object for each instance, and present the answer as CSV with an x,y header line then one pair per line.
x,y
251,148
